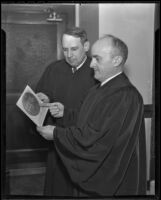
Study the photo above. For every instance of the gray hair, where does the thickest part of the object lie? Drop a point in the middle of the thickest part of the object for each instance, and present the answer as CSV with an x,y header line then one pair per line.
x,y
78,33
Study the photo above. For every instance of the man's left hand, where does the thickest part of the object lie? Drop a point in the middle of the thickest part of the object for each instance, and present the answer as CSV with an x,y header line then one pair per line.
x,y
46,132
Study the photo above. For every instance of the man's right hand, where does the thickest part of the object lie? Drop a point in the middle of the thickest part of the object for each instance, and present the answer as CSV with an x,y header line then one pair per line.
x,y
56,109
43,97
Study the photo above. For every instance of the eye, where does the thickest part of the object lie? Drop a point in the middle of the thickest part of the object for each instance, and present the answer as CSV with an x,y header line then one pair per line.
x,y
97,59
74,48
64,49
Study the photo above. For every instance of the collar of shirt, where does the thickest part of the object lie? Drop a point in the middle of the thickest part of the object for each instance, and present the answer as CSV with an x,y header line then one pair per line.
x,y
108,79
79,66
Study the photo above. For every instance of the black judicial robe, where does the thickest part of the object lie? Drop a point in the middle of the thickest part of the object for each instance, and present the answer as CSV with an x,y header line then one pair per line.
x,y
61,85
105,152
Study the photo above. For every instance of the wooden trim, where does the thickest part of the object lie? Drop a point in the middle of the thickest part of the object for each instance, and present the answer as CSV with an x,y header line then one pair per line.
x,y
23,13
26,150
77,14
23,22
22,162
16,158
33,169
60,29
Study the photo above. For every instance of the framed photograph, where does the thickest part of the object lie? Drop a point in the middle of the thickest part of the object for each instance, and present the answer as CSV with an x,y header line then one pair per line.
x,y
29,103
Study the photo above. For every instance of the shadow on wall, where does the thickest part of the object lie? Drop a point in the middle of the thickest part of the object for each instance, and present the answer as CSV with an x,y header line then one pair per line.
x,y
126,70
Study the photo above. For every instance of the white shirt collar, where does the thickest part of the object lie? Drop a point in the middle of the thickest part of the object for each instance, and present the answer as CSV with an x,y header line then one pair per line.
x,y
108,79
79,66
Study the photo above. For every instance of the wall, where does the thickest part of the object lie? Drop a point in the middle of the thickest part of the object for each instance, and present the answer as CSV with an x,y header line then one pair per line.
x,y
134,23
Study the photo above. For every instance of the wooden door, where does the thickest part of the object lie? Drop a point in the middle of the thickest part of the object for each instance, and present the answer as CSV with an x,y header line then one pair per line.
x,y
32,43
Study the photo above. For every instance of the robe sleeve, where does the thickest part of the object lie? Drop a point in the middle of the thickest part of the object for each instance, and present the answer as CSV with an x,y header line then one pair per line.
x,y
97,153
71,115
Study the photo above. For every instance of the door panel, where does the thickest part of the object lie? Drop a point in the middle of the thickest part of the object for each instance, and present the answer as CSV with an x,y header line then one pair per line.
x,y
31,44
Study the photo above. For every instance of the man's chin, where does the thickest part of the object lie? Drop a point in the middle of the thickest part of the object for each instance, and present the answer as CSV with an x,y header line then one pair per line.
x,y
96,77
72,64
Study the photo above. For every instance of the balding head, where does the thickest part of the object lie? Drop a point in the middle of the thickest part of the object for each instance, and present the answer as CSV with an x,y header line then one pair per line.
x,y
118,47
108,57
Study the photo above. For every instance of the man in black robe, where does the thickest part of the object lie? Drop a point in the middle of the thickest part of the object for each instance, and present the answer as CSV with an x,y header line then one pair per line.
x,y
68,82
105,153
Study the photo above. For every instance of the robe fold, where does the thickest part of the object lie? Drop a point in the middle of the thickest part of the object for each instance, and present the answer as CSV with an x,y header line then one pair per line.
x,y
105,152
61,85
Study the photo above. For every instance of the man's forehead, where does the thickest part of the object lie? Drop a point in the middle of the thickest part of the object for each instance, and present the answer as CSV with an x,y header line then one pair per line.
x,y
102,45
71,41
71,37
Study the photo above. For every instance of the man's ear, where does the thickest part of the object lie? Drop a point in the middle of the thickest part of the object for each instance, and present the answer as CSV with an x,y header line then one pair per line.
x,y
117,61
86,46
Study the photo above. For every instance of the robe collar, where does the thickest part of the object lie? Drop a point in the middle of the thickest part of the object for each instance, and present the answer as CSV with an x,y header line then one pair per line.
x,y
108,79
79,66
115,83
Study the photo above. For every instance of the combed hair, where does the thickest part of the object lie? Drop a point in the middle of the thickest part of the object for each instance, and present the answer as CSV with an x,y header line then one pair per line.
x,y
78,33
119,45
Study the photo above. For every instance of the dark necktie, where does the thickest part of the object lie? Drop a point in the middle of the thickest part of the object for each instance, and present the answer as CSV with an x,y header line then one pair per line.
x,y
74,69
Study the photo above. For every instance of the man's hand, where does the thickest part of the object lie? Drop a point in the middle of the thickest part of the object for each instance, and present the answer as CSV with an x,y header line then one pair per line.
x,y
43,97
56,109
46,132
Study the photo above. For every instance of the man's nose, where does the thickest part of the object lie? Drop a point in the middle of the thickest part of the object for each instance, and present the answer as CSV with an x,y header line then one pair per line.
x,y
69,53
92,64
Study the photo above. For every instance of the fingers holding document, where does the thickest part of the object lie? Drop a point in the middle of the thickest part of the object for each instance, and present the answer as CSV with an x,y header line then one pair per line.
x,y
43,97
56,109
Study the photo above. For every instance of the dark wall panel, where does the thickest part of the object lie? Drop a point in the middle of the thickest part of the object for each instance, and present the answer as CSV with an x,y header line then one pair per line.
x,y
29,49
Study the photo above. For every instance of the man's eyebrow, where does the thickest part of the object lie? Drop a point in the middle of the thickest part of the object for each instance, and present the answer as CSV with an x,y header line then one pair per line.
x,y
74,47
95,56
